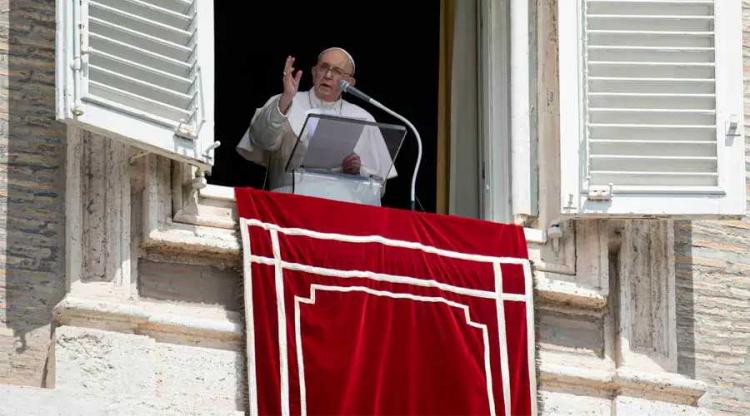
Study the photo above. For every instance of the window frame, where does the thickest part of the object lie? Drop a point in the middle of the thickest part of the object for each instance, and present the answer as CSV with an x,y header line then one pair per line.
x,y
727,199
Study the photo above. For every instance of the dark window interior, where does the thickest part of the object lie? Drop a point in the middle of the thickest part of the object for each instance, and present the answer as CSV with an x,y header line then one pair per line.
x,y
395,45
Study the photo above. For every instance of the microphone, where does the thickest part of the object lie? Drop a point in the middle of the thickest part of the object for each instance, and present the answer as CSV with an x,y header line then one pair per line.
x,y
348,88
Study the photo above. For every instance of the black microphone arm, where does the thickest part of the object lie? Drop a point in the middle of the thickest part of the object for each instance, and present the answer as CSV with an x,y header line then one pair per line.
x,y
348,88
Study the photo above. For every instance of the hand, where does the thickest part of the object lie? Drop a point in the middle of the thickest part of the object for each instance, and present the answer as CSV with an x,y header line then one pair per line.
x,y
290,80
351,164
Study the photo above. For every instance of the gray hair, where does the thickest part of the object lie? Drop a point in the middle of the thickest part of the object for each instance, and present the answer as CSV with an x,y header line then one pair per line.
x,y
348,56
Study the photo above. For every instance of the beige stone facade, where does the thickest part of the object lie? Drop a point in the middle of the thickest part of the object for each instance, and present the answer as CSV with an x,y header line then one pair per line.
x,y
33,187
120,286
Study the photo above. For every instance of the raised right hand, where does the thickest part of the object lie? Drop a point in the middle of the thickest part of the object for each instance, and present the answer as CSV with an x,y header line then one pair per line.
x,y
290,80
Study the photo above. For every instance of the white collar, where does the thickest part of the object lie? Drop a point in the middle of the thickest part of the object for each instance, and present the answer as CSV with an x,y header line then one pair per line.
x,y
316,102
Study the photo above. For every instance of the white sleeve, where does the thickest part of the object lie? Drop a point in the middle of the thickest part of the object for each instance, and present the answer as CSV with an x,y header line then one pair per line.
x,y
265,132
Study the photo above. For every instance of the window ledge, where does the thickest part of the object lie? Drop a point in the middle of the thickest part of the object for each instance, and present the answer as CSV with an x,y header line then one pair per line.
x,y
208,324
222,197
668,387
194,240
560,291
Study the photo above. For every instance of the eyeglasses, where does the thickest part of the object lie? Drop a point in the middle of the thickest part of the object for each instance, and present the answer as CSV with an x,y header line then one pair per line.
x,y
336,71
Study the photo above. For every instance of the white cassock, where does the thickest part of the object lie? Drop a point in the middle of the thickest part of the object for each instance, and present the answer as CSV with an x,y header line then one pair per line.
x,y
271,136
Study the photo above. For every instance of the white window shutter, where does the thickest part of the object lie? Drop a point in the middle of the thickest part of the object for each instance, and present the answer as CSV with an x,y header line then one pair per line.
x,y
651,102
140,71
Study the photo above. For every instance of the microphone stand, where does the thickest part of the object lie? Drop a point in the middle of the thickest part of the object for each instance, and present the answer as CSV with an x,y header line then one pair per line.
x,y
351,90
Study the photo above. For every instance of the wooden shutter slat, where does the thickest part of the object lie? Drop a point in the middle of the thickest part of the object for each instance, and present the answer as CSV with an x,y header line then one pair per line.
x,y
690,70
651,85
654,8
651,23
140,87
651,54
652,101
642,38
146,58
183,7
651,132
137,105
645,116
136,70
152,12
652,163
638,180
653,147
132,37
138,23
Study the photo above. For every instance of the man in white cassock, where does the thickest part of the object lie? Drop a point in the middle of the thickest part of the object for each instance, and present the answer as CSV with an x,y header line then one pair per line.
x,y
273,131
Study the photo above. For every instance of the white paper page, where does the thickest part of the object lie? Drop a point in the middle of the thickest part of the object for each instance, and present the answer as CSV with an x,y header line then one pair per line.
x,y
330,141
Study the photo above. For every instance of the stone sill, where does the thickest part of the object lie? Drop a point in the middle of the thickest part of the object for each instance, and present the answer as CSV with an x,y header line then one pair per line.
x,y
559,291
199,325
223,196
194,239
663,386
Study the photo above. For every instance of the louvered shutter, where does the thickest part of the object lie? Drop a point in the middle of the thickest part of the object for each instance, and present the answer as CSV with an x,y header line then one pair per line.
x,y
651,107
140,71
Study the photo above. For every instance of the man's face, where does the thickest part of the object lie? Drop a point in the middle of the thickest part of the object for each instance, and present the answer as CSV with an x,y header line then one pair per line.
x,y
332,67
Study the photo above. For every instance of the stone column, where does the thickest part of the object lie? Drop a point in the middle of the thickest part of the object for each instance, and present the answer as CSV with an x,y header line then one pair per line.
x,y
98,217
646,314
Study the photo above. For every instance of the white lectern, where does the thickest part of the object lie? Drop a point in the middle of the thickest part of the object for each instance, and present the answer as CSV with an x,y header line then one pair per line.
x,y
314,166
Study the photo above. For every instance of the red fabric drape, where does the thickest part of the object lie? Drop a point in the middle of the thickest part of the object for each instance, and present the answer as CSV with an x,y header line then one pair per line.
x,y
381,325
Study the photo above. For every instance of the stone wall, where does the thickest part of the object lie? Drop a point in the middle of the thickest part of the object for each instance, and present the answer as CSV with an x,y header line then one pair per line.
x,y
713,295
32,183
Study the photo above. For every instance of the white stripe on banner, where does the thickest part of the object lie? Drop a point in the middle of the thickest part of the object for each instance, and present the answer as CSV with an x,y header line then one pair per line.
x,y
300,358
504,370
386,242
530,345
281,312
409,296
382,277
247,284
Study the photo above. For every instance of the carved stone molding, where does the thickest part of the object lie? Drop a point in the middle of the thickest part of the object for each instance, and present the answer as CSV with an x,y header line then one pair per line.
x,y
647,332
174,323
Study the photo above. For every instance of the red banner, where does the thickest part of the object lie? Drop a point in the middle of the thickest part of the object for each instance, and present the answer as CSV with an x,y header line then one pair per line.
x,y
353,309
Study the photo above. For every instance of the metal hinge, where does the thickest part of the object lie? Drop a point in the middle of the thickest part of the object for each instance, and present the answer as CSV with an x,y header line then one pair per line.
x,y
600,192
186,130
733,126
209,152
77,66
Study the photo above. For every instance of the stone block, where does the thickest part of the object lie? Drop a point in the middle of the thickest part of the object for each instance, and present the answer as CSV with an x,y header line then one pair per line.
x,y
566,404
203,377
631,406
102,363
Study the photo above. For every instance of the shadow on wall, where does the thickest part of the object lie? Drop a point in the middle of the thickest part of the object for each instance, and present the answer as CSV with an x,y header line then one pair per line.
x,y
684,292
33,217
